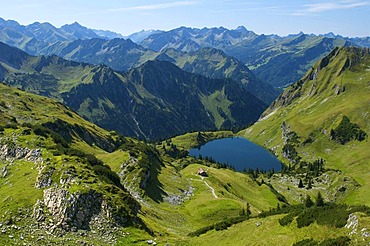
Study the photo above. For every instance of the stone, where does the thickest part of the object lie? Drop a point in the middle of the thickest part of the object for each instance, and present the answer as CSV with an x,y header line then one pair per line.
x,y
3,172
38,211
150,241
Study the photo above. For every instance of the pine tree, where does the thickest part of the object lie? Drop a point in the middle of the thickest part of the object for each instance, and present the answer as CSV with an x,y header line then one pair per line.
x,y
319,200
309,186
248,210
308,202
300,184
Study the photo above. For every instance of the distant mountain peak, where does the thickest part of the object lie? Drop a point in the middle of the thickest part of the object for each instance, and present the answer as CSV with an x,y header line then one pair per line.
x,y
74,24
241,28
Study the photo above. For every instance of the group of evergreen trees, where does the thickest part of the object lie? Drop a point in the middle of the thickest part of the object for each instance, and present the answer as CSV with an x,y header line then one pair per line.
x,y
347,131
254,173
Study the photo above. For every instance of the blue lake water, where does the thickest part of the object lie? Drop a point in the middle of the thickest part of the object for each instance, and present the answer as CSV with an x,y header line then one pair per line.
x,y
238,152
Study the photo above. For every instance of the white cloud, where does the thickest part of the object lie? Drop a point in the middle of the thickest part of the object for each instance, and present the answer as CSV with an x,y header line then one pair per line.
x,y
156,6
330,6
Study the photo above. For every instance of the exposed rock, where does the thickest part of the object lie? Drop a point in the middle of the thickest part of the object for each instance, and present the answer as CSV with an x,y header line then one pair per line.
x,y
352,224
38,211
339,89
68,177
179,199
9,152
3,172
43,179
74,211
285,129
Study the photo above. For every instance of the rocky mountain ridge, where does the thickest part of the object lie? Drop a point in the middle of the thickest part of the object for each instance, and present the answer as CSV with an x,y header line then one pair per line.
x,y
143,102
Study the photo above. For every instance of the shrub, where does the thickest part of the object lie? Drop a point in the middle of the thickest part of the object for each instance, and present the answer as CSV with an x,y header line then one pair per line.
x,y
41,130
11,125
286,220
200,231
339,241
58,139
27,124
92,160
107,175
306,242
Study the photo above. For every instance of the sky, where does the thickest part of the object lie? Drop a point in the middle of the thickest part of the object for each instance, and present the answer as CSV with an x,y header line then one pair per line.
x,y
282,17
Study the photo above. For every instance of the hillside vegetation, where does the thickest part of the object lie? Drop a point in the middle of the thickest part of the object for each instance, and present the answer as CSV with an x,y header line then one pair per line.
x,y
333,95
51,180
64,180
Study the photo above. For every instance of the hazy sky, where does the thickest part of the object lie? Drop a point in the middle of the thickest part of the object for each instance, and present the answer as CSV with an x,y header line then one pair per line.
x,y
345,17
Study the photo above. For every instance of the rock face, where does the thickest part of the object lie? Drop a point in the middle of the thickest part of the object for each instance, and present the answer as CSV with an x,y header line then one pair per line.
x,y
72,211
3,172
43,179
8,152
353,225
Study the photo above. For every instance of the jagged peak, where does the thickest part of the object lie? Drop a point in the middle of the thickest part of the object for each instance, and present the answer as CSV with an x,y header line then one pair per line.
x,y
74,24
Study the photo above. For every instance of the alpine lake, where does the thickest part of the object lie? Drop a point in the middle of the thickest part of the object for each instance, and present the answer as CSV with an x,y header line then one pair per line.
x,y
239,153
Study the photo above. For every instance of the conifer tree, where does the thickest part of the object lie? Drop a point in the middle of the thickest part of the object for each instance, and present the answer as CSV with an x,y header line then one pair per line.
x,y
319,200
308,202
300,184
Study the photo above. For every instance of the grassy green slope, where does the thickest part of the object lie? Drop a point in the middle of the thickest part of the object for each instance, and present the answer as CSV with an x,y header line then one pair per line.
x,y
172,222
175,200
336,86
30,123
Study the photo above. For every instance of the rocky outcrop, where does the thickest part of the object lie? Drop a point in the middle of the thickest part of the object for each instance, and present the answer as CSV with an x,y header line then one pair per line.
x,y
353,225
71,211
43,178
10,152
178,199
3,172
285,129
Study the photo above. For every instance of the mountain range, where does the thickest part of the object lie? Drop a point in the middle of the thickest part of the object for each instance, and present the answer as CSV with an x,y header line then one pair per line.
x,y
155,100
278,61
75,102
62,175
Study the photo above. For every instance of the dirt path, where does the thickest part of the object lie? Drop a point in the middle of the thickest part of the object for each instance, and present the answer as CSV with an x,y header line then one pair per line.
x,y
213,190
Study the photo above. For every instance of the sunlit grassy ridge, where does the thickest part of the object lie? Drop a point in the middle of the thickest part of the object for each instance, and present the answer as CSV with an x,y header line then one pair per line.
x,y
336,86
67,144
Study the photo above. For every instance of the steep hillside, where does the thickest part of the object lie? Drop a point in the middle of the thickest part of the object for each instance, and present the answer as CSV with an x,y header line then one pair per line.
x,y
215,63
325,115
280,61
119,54
155,100
122,55
319,128
51,182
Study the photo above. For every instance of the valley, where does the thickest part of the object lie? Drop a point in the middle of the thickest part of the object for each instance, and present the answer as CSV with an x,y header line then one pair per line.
x,y
95,134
